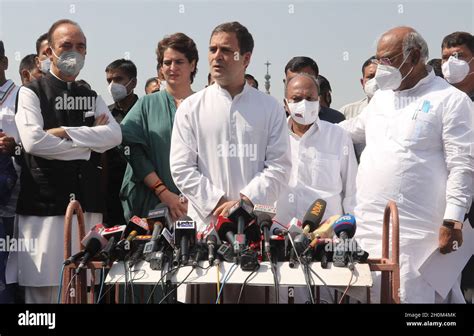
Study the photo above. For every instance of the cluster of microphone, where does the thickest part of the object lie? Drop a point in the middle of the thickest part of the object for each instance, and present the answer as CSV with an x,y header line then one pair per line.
x,y
248,236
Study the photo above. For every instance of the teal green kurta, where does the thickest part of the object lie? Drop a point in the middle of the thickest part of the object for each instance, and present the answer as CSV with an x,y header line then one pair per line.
x,y
146,132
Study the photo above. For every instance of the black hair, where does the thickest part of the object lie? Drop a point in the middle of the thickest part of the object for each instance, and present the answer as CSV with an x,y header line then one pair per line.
x,y
43,37
28,63
244,38
300,62
127,66
458,38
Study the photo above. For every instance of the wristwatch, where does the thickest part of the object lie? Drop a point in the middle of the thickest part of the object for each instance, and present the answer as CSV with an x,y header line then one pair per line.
x,y
452,224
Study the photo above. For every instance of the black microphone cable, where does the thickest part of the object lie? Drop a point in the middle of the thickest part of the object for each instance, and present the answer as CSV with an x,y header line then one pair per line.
x,y
247,281
275,278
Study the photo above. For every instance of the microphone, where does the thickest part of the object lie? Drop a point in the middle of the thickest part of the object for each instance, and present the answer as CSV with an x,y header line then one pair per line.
x,y
92,239
264,221
136,252
293,229
152,245
136,224
113,235
314,215
226,229
200,248
184,236
344,228
123,246
259,209
160,214
93,243
240,213
212,241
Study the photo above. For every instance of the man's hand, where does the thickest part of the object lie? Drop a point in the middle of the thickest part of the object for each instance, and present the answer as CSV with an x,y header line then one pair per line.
x,y
223,207
450,239
7,144
178,206
103,119
59,132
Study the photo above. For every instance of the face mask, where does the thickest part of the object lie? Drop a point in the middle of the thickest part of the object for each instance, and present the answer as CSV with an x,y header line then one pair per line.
x,y
388,77
455,70
70,63
45,65
370,87
304,112
118,91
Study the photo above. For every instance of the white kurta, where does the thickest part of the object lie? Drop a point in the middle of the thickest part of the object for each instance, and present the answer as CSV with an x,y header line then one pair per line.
x,y
420,154
324,166
223,147
42,267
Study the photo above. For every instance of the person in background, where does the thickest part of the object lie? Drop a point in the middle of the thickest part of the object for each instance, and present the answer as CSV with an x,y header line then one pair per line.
x,y
251,81
325,91
121,75
9,171
369,86
29,70
457,52
42,60
152,85
307,65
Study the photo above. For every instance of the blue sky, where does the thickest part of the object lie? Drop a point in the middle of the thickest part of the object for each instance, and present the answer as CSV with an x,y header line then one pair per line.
x,y
339,35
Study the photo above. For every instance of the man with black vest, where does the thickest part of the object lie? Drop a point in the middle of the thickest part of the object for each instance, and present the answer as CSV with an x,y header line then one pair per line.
x,y
63,127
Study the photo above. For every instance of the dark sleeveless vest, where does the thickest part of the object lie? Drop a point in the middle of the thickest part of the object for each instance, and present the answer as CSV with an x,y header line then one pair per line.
x,y
47,186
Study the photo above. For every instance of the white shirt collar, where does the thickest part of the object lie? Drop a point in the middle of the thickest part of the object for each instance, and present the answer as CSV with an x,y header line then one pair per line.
x,y
313,129
226,93
428,78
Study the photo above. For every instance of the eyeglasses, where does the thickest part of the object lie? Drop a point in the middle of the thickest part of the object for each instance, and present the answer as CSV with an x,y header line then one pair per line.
x,y
386,60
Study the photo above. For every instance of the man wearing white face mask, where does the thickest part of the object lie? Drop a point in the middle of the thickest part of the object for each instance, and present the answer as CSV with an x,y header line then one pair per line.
x,y
418,132
324,164
121,75
63,128
369,86
457,51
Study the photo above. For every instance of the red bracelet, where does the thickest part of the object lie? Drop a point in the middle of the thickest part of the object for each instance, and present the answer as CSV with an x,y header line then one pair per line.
x,y
156,185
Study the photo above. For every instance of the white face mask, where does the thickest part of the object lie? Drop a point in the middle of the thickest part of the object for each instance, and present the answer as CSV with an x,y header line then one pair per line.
x,y
70,63
118,91
45,65
370,87
455,70
304,112
388,77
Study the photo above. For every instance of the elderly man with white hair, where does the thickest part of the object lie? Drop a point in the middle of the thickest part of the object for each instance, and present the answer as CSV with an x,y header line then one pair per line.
x,y
418,131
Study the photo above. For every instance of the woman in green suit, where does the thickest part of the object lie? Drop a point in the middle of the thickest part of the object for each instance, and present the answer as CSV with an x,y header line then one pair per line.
x,y
147,130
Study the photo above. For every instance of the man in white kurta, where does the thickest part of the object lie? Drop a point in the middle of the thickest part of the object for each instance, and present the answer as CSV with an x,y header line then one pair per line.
x,y
324,164
39,270
229,140
419,137
229,144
